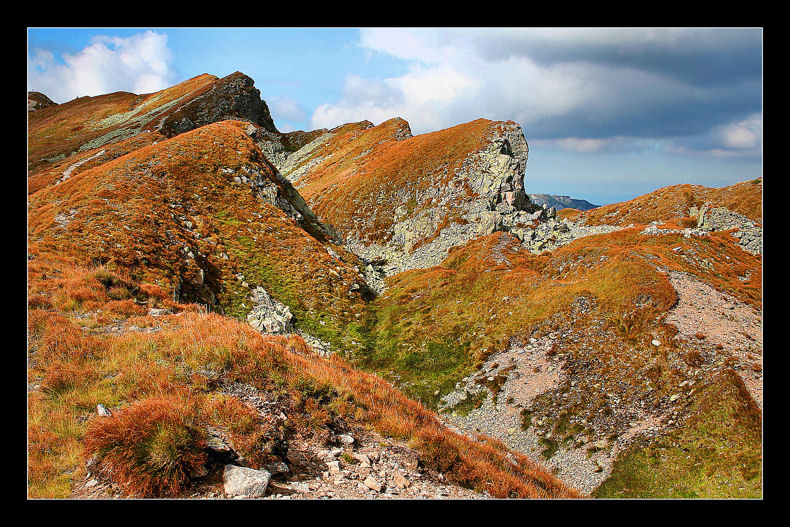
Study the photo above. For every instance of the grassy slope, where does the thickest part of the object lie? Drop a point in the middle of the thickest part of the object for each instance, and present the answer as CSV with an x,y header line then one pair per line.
x,y
60,130
716,455
674,202
132,213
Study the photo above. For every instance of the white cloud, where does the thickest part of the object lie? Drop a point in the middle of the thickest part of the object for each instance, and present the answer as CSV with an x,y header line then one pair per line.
x,y
742,135
139,63
285,108
591,87
583,145
450,81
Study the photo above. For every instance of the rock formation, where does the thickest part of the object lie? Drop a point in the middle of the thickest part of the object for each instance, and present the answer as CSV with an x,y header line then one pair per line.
x,y
232,97
475,189
268,314
749,233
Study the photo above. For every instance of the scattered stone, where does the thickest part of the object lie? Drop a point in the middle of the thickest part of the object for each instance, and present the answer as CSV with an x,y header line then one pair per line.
x,y
103,411
371,483
364,461
401,481
268,314
155,312
345,439
243,482
277,468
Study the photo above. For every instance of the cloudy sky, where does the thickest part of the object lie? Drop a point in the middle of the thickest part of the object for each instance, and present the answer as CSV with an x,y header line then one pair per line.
x,y
609,113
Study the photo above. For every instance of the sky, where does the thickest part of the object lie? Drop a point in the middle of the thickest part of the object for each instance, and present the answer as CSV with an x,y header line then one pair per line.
x,y
609,113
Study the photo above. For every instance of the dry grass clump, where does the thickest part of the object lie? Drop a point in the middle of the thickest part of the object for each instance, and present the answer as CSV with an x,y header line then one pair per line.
x,y
151,446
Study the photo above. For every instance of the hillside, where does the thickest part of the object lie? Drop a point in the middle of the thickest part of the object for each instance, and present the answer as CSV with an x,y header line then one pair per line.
x,y
403,201
219,309
184,309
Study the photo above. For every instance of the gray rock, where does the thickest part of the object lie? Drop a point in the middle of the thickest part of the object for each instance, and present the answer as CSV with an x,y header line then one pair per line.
x,y
245,482
749,234
268,315
345,439
277,468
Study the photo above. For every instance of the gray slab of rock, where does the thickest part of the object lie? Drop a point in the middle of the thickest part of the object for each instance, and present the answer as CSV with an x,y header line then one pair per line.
x,y
245,482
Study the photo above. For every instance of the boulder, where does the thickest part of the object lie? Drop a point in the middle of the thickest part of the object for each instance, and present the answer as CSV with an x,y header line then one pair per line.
x,y
268,315
245,482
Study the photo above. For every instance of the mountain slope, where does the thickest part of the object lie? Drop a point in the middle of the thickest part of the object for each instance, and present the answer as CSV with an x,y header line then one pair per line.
x,y
608,347
140,265
178,278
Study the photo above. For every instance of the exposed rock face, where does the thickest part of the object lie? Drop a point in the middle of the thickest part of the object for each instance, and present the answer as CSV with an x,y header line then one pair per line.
x,y
555,233
232,97
271,187
721,219
269,315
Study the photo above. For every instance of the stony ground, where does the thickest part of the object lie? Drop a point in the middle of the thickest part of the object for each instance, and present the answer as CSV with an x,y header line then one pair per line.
x,y
524,373
372,467
730,326
491,400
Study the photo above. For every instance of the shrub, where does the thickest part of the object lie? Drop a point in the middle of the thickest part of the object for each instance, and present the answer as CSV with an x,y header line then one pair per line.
x,y
151,447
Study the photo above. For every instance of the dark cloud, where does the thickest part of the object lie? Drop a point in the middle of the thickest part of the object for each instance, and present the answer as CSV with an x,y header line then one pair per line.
x,y
647,115
700,57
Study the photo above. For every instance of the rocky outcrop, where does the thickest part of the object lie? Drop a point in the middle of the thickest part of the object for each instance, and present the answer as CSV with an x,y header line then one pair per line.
x,y
476,189
553,233
268,314
231,97
749,233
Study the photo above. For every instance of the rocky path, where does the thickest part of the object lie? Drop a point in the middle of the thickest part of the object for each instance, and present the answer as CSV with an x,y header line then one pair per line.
x,y
507,383
722,321
364,466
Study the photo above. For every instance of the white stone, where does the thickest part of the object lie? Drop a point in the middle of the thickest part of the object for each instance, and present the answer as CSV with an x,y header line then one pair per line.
x,y
245,482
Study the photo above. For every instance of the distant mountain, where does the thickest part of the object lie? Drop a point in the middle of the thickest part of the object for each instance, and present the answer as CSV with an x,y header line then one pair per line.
x,y
561,202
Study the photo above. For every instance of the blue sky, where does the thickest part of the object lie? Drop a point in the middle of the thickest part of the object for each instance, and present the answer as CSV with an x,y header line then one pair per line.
x,y
609,113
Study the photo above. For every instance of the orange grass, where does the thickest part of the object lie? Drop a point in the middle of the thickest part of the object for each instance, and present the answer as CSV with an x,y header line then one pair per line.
x,y
151,446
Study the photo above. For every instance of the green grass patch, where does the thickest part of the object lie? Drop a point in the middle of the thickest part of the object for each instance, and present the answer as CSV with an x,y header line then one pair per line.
x,y
717,454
